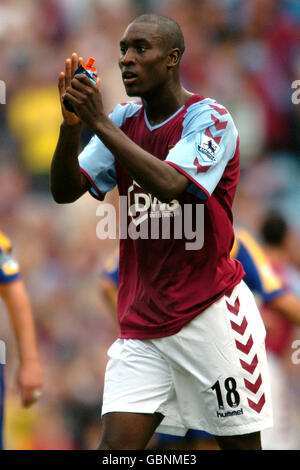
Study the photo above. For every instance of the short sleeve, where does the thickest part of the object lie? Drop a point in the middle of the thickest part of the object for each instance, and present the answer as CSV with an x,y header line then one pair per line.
x,y
111,269
97,162
209,141
9,267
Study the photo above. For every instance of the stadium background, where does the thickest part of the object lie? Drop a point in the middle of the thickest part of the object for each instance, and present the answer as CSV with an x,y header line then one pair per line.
x,y
244,53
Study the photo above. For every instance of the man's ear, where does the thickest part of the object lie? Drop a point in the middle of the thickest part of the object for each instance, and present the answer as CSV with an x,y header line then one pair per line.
x,y
173,58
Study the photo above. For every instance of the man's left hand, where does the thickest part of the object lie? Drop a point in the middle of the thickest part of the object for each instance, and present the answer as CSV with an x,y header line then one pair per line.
x,y
86,99
30,382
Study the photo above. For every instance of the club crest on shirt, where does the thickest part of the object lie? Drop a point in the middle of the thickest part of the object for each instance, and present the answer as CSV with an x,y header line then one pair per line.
x,y
207,148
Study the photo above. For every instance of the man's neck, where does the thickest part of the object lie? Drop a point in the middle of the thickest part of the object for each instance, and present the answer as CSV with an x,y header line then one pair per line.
x,y
160,106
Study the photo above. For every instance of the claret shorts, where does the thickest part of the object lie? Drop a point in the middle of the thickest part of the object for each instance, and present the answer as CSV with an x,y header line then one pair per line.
x,y
212,375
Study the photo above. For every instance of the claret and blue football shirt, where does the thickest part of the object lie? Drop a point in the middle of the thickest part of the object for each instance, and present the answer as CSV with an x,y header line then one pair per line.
x,y
162,284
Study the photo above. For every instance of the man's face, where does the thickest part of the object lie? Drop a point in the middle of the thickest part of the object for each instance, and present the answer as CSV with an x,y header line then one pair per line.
x,y
143,60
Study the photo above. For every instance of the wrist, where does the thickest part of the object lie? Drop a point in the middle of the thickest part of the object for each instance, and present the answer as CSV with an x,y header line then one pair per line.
x,y
71,127
103,122
29,360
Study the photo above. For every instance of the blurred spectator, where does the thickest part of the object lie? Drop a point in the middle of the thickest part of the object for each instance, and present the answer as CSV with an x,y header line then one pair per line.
x,y
280,244
17,303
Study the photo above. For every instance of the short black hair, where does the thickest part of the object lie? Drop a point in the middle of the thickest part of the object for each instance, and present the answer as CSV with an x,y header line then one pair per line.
x,y
274,228
169,29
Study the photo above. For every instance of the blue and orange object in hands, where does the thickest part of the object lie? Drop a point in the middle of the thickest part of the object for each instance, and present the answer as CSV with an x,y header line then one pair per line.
x,y
90,71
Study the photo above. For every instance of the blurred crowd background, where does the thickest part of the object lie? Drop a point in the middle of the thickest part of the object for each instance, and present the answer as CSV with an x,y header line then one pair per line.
x,y
243,53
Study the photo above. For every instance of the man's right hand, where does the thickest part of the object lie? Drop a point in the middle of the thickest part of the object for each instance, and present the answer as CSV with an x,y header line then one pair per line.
x,y
64,82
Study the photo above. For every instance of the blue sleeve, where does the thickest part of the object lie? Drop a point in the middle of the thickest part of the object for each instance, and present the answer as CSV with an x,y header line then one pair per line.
x,y
112,275
9,267
260,277
208,143
111,269
96,162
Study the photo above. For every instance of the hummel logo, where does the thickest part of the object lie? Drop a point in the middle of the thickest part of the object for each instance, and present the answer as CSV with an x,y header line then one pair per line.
x,y
230,413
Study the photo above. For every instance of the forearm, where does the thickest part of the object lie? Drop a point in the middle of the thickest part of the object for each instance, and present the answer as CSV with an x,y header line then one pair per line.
x,y
152,174
66,181
21,319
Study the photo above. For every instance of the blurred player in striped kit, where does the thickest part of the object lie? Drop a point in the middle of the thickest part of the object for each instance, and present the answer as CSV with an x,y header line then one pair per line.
x,y
15,298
